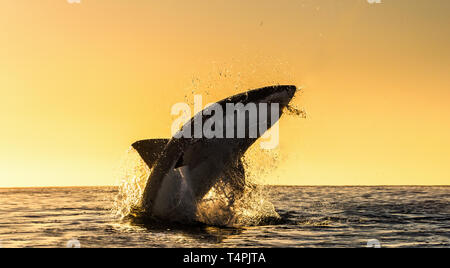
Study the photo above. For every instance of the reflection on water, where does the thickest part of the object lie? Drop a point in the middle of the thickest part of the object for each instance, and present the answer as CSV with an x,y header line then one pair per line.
x,y
312,217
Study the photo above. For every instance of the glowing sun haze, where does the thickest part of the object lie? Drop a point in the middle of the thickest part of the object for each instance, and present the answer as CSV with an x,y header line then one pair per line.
x,y
80,82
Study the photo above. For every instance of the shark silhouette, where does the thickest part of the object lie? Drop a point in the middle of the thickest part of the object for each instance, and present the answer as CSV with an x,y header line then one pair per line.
x,y
183,170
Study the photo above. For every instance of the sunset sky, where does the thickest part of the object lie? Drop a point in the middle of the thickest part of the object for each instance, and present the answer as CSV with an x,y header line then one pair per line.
x,y
79,83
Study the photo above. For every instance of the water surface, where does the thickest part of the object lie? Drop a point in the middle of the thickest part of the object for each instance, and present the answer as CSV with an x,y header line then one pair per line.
x,y
313,217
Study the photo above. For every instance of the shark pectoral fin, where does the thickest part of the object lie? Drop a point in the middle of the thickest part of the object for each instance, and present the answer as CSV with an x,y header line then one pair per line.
x,y
150,150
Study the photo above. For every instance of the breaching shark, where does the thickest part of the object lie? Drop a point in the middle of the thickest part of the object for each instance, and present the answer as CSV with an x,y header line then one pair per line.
x,y
184,169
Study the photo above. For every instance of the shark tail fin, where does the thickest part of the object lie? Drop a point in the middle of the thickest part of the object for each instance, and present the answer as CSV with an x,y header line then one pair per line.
x,y
150,150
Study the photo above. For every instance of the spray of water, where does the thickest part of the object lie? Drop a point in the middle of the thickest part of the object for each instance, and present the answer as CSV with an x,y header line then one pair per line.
x,y
132,176
295,111
222,206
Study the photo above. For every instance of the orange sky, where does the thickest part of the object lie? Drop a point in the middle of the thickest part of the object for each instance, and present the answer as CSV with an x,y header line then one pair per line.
x,y
80,82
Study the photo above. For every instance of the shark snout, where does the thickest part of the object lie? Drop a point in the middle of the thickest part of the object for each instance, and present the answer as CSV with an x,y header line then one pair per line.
x,y
291,90
280,94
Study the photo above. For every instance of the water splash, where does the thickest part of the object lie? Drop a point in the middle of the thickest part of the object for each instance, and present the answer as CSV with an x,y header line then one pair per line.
x,y
222,206
132,178
295,111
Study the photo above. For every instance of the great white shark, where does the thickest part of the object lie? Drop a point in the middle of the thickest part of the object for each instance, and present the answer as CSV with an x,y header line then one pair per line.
x,y
183,170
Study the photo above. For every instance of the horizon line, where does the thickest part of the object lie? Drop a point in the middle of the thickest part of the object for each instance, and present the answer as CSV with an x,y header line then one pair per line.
x,y
279,185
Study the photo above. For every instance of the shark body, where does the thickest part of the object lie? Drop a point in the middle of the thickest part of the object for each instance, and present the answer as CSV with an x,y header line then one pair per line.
x,y
185,169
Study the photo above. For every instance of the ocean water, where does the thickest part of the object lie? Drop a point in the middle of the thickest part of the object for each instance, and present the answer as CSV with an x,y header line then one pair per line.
x,y
311,217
